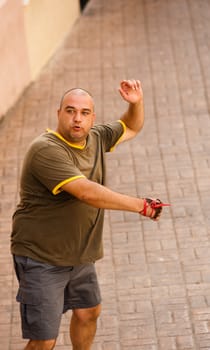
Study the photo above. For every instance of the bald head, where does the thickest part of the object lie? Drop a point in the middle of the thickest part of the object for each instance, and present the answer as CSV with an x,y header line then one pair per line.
x,y
76,92
76,116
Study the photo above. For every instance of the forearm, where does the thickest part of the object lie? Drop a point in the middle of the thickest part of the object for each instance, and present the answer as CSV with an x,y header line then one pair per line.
x,y
131,91
134,116
100,196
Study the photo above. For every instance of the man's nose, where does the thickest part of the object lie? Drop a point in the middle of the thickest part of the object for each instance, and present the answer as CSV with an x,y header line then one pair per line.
x,y
78,116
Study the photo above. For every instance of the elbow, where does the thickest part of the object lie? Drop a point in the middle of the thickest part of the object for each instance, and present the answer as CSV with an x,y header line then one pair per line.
x,y
87,196
84,190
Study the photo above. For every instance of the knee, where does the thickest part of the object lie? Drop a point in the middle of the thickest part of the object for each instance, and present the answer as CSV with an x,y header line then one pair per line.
x,y
87,315
41,344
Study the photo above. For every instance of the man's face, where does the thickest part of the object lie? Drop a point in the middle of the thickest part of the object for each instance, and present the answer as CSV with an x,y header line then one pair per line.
x,y
75,117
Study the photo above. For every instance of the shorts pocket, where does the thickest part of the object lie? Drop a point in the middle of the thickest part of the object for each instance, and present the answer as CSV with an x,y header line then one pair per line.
x,y
27,297
30,309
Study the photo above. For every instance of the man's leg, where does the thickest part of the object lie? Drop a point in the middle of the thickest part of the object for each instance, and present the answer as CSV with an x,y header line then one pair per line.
x,y
40,344
41,303
83,327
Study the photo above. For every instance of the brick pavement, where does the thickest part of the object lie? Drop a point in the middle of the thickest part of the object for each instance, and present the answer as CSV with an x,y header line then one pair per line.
x,y
155,278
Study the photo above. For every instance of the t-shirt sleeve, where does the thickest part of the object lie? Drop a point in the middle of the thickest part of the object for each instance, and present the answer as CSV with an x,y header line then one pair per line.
x,y
111,134
54,167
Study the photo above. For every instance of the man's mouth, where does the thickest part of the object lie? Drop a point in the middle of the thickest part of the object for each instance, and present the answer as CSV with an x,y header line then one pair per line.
x,y
76,128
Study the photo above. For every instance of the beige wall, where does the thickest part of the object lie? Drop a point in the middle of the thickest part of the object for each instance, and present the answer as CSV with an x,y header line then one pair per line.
x,y
14,68
47,22
29,35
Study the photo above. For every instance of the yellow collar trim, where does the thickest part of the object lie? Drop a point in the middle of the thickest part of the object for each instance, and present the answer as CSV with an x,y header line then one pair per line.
x,y
64,140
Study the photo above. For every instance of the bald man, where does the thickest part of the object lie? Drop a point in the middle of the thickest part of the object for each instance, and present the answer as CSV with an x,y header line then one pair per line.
x,y
57,226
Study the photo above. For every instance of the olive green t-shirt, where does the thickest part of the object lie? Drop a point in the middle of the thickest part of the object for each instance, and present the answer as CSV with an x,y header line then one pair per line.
x,y
49,224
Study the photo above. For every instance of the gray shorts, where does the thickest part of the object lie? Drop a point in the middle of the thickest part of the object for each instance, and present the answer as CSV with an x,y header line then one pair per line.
x,y
46,291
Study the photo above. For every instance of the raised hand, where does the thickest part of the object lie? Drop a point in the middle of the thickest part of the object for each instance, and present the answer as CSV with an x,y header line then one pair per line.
x,y
131,90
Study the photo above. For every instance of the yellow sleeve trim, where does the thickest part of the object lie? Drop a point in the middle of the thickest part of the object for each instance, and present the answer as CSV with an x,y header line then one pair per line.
x,y
57,188
124,130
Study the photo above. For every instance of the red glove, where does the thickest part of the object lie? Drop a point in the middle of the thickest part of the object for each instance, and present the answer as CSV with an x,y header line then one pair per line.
x,y
152,208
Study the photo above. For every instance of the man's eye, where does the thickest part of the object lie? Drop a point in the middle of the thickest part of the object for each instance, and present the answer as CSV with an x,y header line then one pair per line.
x,y
70,111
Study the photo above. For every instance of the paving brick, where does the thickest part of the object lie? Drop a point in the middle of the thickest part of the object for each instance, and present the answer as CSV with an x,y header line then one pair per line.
x,y
167,343
185,342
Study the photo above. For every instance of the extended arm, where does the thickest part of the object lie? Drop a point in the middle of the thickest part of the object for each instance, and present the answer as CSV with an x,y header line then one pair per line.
x,y
100,196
